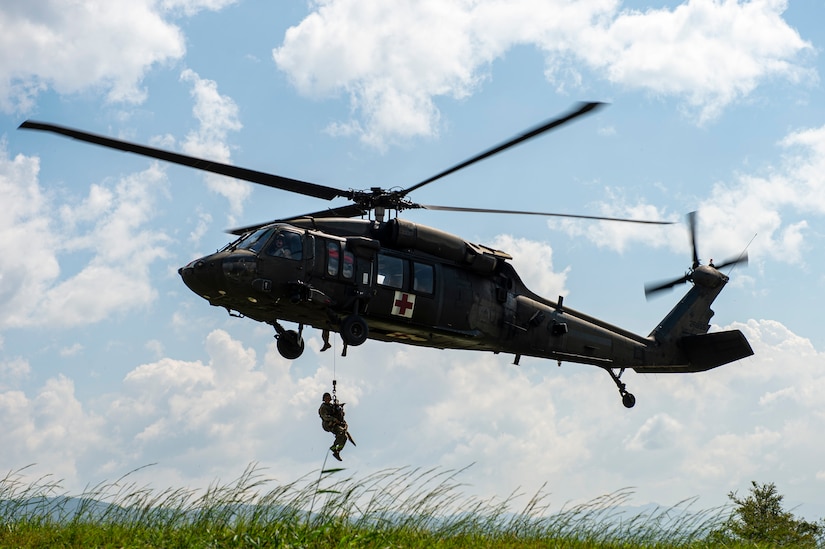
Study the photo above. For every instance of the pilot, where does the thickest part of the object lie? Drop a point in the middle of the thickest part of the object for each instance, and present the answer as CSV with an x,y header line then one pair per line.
x,y
332,420
279,248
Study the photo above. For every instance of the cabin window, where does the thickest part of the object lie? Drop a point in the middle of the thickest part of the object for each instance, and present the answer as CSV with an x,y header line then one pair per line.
x,y
391,271
333,258
285,244
423,278
348,267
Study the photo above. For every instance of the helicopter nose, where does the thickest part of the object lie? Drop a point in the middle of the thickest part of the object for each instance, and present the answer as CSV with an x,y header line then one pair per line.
x,y
204,277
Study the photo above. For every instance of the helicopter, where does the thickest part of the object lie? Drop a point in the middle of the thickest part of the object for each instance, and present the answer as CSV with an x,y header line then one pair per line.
x,y
362,273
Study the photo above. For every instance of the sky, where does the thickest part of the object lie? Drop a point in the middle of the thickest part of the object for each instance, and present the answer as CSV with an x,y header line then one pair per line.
x,y
108,363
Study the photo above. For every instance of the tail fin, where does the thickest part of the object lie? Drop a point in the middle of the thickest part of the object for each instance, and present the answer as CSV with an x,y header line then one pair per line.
x,y
683,344
691,316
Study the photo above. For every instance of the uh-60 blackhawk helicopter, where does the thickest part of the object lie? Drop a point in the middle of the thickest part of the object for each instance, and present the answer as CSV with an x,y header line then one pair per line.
x,y
348,270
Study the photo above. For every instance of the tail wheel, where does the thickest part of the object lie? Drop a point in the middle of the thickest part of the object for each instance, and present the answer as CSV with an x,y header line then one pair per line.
x,y
628,400
290,345
354,330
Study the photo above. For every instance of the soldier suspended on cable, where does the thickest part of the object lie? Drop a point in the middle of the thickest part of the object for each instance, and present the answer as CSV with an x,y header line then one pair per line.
x,y
332,421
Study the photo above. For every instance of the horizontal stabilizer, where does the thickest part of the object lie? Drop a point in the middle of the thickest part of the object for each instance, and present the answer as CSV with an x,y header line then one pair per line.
x,y
706,351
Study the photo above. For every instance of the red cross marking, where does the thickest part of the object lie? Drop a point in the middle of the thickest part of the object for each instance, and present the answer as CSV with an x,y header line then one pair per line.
x,y
403,304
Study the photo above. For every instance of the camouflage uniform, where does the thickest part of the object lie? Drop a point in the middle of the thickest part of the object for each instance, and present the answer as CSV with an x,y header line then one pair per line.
x,y
332,421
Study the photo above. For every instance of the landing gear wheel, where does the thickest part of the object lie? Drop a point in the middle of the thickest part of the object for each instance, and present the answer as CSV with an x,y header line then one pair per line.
x,y
290,344
354,330
628,400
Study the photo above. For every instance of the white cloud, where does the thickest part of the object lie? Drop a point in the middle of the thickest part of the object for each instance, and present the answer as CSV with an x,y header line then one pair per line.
x,y
229,409
659,431
736,457
217,115
155,347
80,45
749,205
708,52
204,220
617,236
89,44
108,227
33,267
118,275
705,52
71,350
490,409
374,52
762,204
12,371
191,7
534,263
51,427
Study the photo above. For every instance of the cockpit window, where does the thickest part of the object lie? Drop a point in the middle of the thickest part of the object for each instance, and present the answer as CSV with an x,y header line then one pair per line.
x,y
285,244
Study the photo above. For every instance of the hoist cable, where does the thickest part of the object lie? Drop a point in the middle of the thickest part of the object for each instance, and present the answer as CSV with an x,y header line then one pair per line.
x,y
334,380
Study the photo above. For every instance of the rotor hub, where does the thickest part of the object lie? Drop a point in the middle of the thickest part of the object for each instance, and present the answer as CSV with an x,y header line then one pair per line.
x,y
708,277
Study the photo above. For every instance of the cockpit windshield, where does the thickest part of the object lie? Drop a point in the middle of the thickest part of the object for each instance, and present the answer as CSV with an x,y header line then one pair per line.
x,y
272,241
254,241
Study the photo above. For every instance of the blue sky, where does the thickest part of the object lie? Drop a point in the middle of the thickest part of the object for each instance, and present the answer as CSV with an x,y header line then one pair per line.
x,y
109,363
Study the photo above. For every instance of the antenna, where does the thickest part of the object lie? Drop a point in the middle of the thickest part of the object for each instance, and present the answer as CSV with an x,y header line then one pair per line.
x,y
743,254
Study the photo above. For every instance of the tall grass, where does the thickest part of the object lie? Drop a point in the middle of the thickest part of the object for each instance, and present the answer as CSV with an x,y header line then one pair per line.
x,y
403,507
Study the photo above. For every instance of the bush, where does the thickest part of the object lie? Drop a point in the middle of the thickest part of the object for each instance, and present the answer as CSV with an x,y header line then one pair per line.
x,y
759,518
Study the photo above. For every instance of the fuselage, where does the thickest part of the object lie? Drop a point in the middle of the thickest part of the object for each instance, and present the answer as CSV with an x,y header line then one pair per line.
x,y
412,284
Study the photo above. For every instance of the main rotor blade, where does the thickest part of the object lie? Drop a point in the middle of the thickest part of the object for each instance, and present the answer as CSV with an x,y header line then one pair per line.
x,y
546,214
262,178
521,138
351,210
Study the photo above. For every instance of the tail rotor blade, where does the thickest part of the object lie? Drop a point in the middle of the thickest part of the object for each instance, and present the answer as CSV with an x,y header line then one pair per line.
x,y
657,287
651,289
692,228
743,258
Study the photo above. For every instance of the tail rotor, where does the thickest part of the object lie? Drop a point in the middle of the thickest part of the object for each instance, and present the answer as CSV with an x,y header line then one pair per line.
x,y
654,288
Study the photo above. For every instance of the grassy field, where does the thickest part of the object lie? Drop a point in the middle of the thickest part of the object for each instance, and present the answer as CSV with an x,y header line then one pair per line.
x,y
393,508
